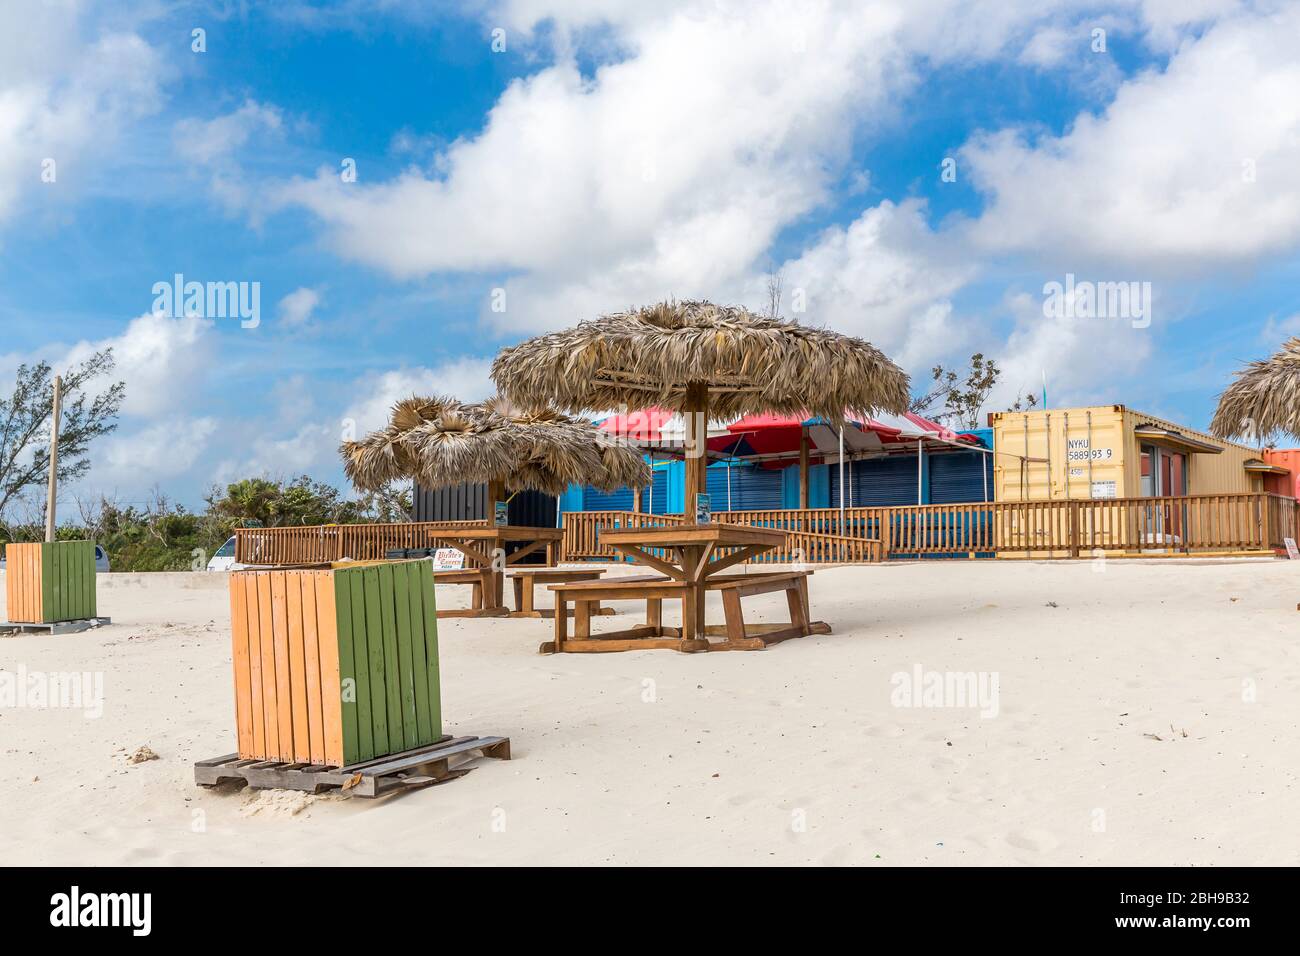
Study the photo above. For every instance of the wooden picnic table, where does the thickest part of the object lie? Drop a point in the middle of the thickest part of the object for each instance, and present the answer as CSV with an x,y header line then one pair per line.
x,y
485,547
692,554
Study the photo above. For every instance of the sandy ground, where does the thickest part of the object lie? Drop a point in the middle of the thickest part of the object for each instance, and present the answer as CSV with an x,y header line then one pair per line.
x,y
1146,714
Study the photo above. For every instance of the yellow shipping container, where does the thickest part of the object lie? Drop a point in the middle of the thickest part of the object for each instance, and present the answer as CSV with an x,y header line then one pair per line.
x,y
1106,452
1109,451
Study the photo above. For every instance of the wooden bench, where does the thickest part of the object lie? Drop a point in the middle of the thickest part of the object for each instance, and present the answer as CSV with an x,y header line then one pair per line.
x,y
473,577
525,582
649,636
756,637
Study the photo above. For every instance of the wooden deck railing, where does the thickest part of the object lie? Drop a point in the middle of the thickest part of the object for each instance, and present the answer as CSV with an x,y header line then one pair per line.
x,y
1232,522
1059,528
316,544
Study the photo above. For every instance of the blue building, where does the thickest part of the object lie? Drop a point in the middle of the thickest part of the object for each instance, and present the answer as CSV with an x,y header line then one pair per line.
x,y
948,475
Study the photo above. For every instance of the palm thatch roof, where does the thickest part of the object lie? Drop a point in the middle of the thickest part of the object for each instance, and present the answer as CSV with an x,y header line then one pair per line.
x,y
440,442
1264,399
750,364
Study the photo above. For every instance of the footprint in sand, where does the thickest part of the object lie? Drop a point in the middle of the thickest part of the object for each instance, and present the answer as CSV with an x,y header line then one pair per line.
x,y
886,730
1037,841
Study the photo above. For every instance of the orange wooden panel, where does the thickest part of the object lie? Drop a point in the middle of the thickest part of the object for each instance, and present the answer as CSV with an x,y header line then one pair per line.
x,y
239,657
283,689
23,596
254,630
35,586
270,706
297,665
311,653
331,692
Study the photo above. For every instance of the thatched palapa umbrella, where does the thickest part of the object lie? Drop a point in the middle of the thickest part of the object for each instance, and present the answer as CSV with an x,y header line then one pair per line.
x,y
705,361
440,442
1264,399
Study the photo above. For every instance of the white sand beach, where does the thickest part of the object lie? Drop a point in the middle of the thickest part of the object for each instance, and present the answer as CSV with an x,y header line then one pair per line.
x,y
1147,713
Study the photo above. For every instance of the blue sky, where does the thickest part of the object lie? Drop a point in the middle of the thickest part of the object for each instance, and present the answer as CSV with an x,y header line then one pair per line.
x,y
612,155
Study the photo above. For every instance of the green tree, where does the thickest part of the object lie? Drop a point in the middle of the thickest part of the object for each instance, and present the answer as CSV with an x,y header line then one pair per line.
x,y
275,503
963,399
25,419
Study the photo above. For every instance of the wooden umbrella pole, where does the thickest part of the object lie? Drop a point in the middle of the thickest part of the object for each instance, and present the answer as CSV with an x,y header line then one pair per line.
x,y
496,491
803,468
696,410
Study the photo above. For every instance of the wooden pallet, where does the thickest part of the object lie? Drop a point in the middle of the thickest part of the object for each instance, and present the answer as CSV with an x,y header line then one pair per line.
x,y
53,627
408,770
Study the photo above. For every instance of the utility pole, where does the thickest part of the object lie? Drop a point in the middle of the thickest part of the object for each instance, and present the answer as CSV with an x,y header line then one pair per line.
x,y
54,459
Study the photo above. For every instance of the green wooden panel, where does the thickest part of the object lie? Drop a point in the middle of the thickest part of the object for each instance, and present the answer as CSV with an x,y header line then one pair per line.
x,y
379,709
392,665
67,580
74,560
66,560
48,611
55,559
347,667
416,570
431,653
92,586
365,680
405,671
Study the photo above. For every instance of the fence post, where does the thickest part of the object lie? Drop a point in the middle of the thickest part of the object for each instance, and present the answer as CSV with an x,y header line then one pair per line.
x,y
1074,528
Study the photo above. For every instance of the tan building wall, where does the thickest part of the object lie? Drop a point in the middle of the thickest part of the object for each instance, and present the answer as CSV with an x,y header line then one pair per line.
x,y
1095,452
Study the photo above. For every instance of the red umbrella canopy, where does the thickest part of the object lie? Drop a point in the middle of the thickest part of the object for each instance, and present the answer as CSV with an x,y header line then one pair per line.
x,y
779,435
645,425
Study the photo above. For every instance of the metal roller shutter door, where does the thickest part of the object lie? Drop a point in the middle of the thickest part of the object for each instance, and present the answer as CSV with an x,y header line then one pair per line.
x,y
877,482
955,477
618,500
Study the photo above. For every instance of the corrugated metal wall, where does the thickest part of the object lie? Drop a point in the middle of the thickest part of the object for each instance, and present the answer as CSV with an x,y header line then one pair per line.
x,y
1224,473
620,500
1098,445
876,482
468,502
955,477
752,488
1288,485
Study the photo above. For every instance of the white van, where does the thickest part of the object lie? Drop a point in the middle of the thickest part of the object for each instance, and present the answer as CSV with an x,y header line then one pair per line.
x,y
224,559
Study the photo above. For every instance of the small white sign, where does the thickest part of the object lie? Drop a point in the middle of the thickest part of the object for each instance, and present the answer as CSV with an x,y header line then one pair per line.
x,y
1104,489
1292,551
448,559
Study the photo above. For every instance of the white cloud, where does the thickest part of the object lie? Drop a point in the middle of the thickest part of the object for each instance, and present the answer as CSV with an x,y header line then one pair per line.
x,y
209,141
668,172
1276,330
1047,47
162,360
1083,359
64,97
1188,166
166,449
297,307
285,449
886,277
465,378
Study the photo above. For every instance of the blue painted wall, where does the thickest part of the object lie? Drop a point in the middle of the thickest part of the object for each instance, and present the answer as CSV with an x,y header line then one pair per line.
x,y
947,477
